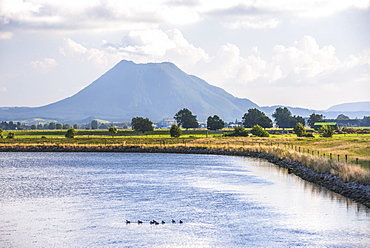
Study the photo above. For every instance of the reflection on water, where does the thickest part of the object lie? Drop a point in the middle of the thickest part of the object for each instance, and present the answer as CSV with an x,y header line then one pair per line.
x,y
84,200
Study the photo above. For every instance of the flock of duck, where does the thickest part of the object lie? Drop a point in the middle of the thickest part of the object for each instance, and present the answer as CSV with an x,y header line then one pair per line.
x,y
154,222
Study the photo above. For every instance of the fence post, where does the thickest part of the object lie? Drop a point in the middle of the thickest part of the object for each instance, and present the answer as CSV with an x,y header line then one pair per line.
x,y
331,156
338,157
346,158
356,160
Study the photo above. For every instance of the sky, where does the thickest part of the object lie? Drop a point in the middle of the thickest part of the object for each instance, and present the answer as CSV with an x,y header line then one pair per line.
x,y
310,54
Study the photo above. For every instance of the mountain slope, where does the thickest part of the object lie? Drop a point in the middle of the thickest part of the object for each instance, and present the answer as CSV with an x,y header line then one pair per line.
x,y
353,106
153,90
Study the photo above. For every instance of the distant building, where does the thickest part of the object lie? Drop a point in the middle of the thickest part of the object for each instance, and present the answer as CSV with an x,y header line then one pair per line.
x,y
166,123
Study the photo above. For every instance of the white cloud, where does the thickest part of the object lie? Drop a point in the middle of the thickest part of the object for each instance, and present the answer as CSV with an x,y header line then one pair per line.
x,y
152,45
46,65
3,89
6,35
115,14
77,51
254,23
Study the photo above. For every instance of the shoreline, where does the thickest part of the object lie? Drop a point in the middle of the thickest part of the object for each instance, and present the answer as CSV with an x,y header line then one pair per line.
x,y
355,191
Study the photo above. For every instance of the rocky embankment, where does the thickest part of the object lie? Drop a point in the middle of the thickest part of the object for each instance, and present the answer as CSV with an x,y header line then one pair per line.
x,y
354,191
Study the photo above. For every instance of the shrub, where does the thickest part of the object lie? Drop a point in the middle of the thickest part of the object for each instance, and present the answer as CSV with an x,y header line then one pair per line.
x,y
71,133
299,130
11,135
239,132
175,131
257,130
326,131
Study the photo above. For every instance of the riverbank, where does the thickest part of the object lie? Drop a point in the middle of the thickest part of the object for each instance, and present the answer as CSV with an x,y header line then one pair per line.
x,y
353,190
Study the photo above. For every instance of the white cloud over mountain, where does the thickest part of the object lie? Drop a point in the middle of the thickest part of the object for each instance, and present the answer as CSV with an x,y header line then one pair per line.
x,y
246,47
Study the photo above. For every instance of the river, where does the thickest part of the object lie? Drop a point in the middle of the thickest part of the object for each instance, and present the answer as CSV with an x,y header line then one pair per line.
x,y
84,200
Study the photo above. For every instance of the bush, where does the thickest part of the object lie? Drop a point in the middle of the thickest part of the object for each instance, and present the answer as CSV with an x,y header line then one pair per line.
x,y
175,131
326,131
71,133
257,130
299,130
239,132
11,135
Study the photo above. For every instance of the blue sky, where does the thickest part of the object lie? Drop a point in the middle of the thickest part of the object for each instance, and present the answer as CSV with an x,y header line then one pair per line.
x,y
311,54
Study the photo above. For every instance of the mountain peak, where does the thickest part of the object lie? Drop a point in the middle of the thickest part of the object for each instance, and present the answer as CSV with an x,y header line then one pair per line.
x,y
153,90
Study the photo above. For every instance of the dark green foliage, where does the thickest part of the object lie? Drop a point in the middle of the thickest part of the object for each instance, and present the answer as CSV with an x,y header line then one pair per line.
x,y
326,131
186,119
94,124
11,135
76,126
239,132
259,131
52,125
299,130
342,117
308,135
215,123
1,134
284,119
71,133
254,117
314,118
175,131
59,126
113,130
141,125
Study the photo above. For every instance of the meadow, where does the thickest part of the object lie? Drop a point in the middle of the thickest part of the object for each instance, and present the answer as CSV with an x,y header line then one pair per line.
x,y
345,155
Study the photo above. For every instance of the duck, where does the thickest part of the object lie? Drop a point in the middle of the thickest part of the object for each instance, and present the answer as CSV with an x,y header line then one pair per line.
x,y
139,222
128,222
163,222
173,221
181,222
152,221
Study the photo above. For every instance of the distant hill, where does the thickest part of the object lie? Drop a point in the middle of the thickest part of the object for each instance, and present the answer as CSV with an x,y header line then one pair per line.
x,y
153,90
353,106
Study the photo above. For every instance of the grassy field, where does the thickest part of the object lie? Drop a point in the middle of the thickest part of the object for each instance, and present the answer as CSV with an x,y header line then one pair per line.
x,y
351,148
347,156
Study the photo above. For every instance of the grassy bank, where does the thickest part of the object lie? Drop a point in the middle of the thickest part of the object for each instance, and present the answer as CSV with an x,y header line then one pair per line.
x,y
345,156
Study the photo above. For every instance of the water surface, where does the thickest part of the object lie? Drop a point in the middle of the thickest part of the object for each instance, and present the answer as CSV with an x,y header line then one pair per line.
x,y
84,200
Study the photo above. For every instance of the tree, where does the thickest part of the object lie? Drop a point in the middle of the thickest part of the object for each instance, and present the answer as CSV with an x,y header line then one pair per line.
x,y
59,126
282,117
33,127
52,125
299,130
175,131
142,125
67,126
326,131
254,117
11,135
259,131
315,118
71,133
342,117
215,122
186,119
113,130
75,126
94,124
239,131
1,134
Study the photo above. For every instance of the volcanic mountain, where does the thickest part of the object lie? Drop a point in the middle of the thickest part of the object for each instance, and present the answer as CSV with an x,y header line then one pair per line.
x,y
153,90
